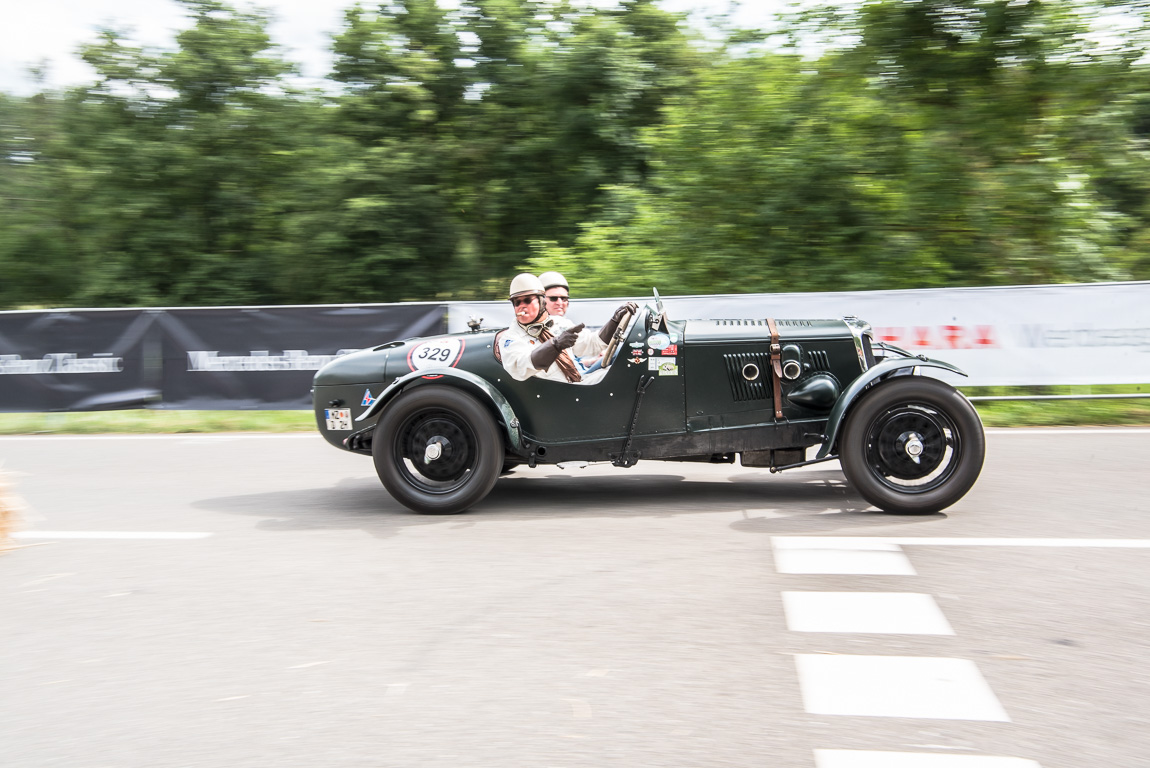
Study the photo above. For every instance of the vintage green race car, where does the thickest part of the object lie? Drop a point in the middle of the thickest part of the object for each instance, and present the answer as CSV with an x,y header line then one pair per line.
x,y
443,419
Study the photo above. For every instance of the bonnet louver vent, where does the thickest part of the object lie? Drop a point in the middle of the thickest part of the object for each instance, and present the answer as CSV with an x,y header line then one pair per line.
x,y
742,389
741,323
819,360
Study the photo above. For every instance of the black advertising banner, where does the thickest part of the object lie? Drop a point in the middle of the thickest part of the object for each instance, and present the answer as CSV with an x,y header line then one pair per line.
x,y
79,360
220,358
266,357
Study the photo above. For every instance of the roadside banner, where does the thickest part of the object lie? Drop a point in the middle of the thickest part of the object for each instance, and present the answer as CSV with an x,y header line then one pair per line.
x,y
78,360
218,358
1093,333
266,357
230,358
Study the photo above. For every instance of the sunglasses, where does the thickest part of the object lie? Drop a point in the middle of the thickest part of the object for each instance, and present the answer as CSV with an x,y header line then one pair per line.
x,y
524,300
559,298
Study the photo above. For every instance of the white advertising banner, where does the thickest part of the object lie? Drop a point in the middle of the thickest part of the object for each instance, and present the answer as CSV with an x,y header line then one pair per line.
x,y
1096,333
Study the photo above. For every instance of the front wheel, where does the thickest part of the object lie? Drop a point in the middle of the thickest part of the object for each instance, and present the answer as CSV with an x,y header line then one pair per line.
x,y
437,450
912,445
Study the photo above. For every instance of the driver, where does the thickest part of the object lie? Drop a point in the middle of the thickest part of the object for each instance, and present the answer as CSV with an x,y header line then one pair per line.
x,y
552,347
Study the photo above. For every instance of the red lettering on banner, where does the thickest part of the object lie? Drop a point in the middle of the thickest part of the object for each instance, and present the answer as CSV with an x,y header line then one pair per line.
x,y
939,336
889,334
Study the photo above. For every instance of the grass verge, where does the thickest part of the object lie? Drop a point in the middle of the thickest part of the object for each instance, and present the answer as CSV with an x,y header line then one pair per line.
x,y
153,422
1011,413
1063,413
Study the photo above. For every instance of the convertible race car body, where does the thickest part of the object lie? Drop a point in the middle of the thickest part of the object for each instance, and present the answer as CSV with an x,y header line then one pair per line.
x,y
442,418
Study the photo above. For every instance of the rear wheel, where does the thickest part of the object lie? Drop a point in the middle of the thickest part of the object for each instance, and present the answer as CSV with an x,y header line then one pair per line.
x,y
912,445
437,450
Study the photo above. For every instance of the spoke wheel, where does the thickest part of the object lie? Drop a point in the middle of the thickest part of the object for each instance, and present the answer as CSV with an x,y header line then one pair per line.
x,y
437,450
912,445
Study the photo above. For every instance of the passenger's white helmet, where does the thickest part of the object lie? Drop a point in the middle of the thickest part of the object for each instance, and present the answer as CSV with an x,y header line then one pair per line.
x,y
525,284
553,279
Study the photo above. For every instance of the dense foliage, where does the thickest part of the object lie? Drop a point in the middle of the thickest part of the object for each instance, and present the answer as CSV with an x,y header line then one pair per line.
x,y
930,143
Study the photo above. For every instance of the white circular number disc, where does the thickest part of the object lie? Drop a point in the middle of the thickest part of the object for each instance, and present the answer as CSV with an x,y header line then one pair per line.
x,y
439,353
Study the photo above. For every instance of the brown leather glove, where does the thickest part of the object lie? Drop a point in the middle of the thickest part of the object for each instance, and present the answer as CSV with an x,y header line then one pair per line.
x,y
544,354
567,339
608,330
548,352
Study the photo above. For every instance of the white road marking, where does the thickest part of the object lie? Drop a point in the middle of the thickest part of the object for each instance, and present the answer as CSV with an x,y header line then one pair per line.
x,y
836,555
311,664
175,436
895,613
109,535
896,686
852,758
43,579
871,543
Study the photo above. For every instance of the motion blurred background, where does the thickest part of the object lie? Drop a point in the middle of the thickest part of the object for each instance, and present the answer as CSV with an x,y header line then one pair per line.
x,y
415,150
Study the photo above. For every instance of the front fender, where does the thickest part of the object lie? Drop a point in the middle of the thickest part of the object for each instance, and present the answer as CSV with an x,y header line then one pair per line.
x,y
463,379
873,374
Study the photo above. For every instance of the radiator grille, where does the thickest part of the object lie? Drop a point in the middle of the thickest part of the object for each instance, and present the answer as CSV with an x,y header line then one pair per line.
x,y
741,389
868,351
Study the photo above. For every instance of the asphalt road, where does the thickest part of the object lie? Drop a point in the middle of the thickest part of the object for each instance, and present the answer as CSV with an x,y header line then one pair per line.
x,y
665,615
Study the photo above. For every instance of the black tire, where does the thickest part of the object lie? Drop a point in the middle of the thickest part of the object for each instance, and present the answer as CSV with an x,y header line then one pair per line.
x,y
469,444
898,417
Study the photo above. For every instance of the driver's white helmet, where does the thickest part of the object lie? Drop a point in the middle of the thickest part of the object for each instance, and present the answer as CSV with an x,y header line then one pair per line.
x,y
553,279
525,284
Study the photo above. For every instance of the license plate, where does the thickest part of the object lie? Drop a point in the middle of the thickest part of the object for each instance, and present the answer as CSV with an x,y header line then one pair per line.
x,y
338,418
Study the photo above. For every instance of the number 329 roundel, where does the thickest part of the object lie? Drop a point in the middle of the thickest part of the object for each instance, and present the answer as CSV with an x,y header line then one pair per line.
x,y
437,353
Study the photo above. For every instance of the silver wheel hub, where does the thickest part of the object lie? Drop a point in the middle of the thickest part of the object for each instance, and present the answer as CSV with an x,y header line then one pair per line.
x,y
434,449
912,444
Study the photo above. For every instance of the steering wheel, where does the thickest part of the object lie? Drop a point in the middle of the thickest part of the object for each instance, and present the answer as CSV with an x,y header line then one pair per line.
x,y
617,338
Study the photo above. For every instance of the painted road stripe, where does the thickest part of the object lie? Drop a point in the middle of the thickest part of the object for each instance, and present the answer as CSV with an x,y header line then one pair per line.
x,y
870,543
896,686
109,535
853,758
175,436
889,613
832,555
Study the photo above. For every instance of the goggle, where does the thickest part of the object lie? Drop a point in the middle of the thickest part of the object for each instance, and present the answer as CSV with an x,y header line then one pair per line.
x,y
559,298
522,300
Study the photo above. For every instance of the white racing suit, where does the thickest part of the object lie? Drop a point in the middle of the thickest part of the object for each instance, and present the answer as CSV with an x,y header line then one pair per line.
x,y
516,346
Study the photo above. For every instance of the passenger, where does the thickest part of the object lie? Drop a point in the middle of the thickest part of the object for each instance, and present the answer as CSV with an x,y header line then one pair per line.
x,y
558,294
552,347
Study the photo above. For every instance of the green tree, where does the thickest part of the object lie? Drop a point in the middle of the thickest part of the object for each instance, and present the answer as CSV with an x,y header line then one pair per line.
x,y
36,259
166,175
947,143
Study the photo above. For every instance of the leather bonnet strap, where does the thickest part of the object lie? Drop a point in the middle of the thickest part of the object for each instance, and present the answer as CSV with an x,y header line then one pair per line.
x,y
776,367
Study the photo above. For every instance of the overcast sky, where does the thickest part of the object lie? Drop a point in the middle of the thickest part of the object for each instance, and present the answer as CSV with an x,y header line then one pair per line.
x,y
35,31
